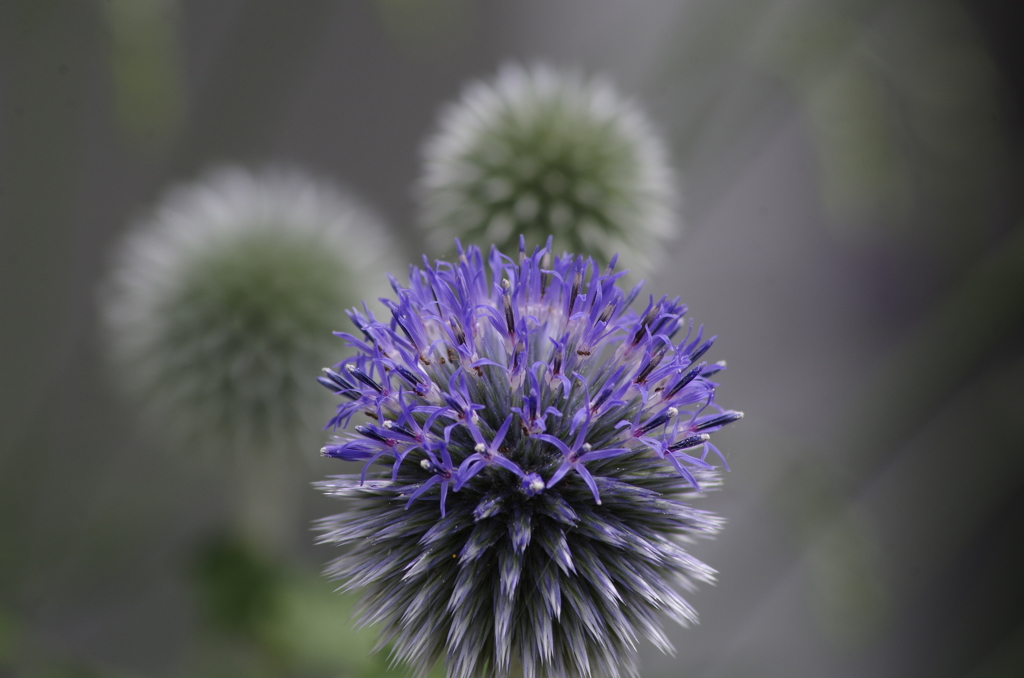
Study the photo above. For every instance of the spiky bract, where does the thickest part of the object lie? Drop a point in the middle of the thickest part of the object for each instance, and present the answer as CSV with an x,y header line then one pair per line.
x,y
220,306
540,151
538,440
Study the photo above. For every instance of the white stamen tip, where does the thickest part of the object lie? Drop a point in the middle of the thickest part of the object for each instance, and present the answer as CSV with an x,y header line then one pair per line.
x,y
480,448
672,411
388,425
587,447
536,485
425,464
350,367
739,415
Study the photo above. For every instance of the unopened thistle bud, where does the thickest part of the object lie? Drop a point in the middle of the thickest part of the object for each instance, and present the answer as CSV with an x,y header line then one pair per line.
x,y
543,152
220,307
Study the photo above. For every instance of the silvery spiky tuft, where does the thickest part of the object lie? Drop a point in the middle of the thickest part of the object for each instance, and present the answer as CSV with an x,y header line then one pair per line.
x,y
540,151
536,442
220,306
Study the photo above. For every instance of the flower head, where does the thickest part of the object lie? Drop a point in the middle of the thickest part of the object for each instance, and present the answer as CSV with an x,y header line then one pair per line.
x,y
538,440
540,151
220,306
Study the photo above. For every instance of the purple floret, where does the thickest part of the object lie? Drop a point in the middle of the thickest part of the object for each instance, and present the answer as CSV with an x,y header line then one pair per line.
x,y
536,432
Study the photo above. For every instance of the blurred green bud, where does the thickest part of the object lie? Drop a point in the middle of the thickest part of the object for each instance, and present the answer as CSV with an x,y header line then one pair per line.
x,y
544,152
221,305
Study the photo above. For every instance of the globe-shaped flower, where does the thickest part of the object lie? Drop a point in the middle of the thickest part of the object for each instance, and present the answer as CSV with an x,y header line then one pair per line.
x,y
221,304
544,152
537,441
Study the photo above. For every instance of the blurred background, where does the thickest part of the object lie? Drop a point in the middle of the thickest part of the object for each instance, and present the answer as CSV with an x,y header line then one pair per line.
x,y
853,203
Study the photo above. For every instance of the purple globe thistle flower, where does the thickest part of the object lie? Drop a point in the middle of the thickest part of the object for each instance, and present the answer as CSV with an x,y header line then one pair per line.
x,y
537,441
